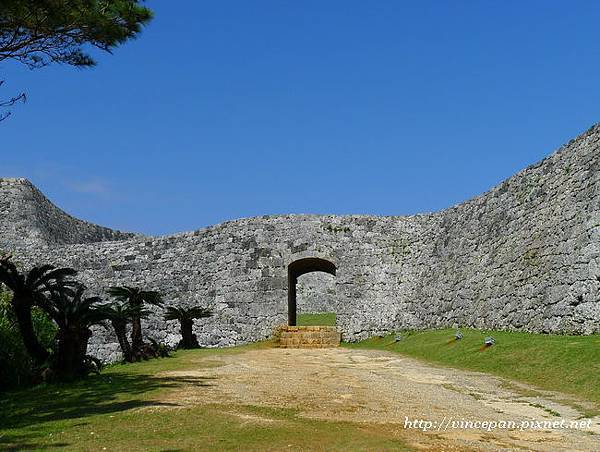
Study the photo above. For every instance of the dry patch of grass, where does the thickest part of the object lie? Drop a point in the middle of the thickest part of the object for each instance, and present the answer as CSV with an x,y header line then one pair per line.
x,y
124,409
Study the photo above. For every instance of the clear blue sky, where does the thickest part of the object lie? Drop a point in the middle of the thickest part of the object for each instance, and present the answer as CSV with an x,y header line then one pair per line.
x,y
227,109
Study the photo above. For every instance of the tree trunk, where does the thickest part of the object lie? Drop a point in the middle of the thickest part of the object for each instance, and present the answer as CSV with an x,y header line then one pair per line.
x,y
120,327
188,340
70,353
137,344
22,308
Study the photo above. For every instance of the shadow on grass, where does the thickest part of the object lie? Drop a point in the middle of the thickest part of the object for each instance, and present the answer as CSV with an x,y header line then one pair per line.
x,y
30,409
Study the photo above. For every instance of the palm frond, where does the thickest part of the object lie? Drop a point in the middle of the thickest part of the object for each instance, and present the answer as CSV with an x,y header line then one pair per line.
x,y
181,313
122,293
122,311
173,313
55,275
199,312
70,308
135,295
36,273
10,275
152,297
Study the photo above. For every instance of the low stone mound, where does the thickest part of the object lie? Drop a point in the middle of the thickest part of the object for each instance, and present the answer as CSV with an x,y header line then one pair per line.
x,y
308,337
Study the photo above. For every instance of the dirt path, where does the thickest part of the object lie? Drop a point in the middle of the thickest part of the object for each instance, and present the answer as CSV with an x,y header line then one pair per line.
x,y
379,387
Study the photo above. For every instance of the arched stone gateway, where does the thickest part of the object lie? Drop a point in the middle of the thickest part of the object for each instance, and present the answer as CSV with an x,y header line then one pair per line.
x,y
299,268
523,256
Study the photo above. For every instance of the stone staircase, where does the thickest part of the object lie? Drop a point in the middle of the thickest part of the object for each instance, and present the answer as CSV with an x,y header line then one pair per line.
x,y
307,336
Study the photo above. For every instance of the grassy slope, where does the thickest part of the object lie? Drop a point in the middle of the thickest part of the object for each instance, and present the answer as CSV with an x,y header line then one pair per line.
x,y
569,364
317,319
117,411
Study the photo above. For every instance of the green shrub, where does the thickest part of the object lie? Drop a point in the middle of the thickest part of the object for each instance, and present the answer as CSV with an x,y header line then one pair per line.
x,y
16,367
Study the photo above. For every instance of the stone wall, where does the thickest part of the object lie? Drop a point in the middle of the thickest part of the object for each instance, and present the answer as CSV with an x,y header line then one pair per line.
x,y
316,293
239,269
29,219
524,256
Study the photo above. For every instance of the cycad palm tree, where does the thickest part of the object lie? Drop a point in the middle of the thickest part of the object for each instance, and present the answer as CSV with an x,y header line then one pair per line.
x,y
136,298
29,290
74,314
119,315
186,317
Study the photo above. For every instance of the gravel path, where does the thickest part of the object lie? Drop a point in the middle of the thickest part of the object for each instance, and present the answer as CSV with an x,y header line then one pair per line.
x,y
380,387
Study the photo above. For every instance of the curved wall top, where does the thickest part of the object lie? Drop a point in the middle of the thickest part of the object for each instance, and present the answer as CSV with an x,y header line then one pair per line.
x,y
525,255
29,219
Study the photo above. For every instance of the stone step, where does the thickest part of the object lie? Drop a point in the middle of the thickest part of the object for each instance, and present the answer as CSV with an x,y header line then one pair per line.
x,y
307,336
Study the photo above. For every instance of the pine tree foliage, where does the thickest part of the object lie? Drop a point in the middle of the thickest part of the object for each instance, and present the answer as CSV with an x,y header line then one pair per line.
x,y
40,32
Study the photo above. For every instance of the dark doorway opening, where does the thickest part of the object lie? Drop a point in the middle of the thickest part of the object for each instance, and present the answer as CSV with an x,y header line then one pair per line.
x,y
297,269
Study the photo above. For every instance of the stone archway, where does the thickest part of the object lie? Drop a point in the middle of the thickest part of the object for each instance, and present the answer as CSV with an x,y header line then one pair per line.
x,y
299,268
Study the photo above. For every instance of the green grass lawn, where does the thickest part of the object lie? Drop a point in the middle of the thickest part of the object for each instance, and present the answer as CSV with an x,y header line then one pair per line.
x,y
118,410
316,319
568,364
